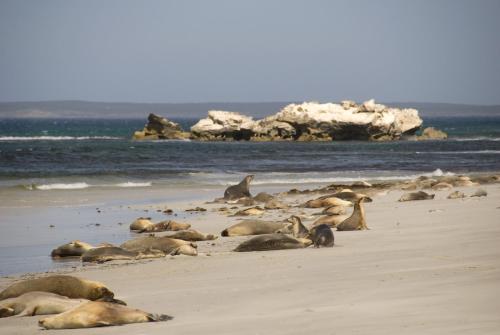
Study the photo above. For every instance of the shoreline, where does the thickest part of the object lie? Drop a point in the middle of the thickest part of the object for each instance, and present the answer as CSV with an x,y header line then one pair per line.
x,y
420,268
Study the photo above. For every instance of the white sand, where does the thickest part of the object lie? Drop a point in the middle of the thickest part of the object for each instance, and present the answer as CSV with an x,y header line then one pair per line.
x,y
425,267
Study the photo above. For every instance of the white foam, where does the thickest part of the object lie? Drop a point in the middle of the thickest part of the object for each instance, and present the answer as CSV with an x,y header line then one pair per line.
x,y
480,138
132,184
60,186
56,138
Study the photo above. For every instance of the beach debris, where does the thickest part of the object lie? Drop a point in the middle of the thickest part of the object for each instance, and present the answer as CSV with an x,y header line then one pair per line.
x,y
196,209
420,195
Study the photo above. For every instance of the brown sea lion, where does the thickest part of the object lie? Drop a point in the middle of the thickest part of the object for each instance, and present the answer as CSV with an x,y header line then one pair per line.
x,y
99,314
37,303
297,229
192,235
169,246
106,254
322,236
263,197
456,195
420,195
347,195
357,220
334,210
72,249
68,286
330,220
253,227
272,242
275,204
167,225
479,193
240,190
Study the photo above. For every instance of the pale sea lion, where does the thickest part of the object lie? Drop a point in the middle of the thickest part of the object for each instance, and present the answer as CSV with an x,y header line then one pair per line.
x,y
322,236
456,195
72,249
37,303
240,190
250,211
141,224
420,195
253,227
263,197
168,245
357,220
330,220
275,204
99,314
327,201
272,242
347,195
334,210
167,225
297,228
441,186
479,193
192,235
68,286
106,254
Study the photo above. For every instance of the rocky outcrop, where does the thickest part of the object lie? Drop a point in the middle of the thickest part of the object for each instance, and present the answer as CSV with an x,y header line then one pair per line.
x,y
431,133
159,128
311,121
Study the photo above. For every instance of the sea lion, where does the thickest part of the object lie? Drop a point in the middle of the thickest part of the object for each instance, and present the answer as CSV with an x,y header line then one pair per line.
x,y
347,195
250,211
334,210
106,254
37,303
361,184
275,204
169,246
72,249
253,227
420,195
272,242
327,201
357,219
141,224
322,236
441,186
330,220
479,193
167,225
99,314
456,195
68,286
298,230
240,190
263,197
192,235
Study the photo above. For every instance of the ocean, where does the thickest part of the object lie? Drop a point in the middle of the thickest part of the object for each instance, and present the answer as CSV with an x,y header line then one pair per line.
x,y
45,154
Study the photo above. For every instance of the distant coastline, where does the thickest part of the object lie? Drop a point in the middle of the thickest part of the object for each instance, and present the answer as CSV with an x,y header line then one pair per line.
x,y
125,110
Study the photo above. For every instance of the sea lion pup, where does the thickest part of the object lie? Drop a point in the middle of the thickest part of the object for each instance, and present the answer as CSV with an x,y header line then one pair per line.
x,y
37,303
241,190
273,242
322,236
192,235
68,286
253,227
169,246
357,219
330,220
72,249
420,195
106,254
141,224
99,314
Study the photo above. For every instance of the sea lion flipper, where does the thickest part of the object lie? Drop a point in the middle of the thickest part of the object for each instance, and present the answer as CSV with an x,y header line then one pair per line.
x,y
159,317
102,324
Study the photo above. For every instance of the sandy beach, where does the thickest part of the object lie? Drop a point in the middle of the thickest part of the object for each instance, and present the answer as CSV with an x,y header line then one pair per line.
x,y
426,267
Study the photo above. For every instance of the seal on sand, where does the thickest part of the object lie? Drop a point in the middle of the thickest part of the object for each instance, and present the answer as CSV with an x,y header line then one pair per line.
x,y
253,227
99,314
272,242
322,236
68,286
357,219
192,235
240,190
145,226
331,220
420,195
37,303
169,246
327,201
72,249
105,254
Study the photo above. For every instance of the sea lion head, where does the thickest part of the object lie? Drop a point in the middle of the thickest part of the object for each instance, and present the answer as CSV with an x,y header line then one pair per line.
x,y
366,199
249,178
6,311
101,293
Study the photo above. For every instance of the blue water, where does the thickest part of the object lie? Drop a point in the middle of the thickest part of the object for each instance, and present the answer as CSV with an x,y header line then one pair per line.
x,y
100,152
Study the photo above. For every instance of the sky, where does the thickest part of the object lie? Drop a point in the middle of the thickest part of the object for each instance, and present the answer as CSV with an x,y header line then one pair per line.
x,y
250,51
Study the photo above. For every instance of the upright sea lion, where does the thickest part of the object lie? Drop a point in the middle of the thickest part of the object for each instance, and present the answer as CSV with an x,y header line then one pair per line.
x,y
420,195
72,249
241,190
253,227
322,236
106,254
168,245
272,242
37,303
298,230
68,286
192,235
99,314
357,219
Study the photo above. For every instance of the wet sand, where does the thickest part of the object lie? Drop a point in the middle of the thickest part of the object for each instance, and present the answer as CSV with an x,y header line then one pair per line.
x,y
426,267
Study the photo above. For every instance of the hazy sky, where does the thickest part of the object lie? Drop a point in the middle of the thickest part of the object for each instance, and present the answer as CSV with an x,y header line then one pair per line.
x,y
203,51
